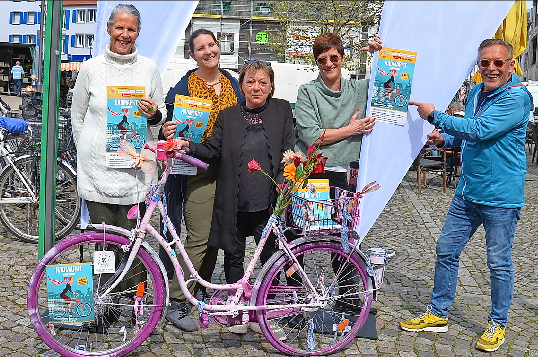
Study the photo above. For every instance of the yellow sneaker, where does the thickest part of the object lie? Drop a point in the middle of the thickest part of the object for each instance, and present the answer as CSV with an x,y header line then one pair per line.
x,y
492,338
426,322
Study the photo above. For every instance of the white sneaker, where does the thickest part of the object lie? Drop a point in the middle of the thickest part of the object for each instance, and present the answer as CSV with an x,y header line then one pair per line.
x,y
277,330
238,329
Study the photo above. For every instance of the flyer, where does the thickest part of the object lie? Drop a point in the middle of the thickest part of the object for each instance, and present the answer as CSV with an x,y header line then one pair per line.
x,y
392,85
70,293
311,208
124,122
191,115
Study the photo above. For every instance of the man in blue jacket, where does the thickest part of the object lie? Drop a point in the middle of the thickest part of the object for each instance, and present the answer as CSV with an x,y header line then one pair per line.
x,y
490,191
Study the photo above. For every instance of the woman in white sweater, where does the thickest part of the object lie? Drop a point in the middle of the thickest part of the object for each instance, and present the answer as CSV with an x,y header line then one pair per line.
x,y
111,192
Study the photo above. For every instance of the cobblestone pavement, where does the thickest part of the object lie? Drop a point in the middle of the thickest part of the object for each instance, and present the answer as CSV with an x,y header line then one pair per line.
x,y
410,224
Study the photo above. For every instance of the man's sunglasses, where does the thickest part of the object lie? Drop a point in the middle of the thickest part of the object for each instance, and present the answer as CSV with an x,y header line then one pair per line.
x,y
496,62
334,59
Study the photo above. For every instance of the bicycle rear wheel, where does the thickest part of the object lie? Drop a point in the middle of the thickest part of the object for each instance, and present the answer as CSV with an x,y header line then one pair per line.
x,y
114,330
19,203
345,291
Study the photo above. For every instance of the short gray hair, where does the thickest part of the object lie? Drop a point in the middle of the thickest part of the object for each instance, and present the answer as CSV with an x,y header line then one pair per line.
x,y
128,8
495,41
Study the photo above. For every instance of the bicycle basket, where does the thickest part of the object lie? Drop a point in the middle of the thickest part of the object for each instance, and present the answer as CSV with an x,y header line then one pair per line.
x,y
318,212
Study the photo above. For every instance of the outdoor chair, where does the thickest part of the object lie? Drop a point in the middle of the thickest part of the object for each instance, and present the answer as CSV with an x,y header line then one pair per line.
x,y
430,160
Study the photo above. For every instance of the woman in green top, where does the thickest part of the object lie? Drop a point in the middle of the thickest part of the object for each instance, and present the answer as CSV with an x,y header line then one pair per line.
x,y
333,108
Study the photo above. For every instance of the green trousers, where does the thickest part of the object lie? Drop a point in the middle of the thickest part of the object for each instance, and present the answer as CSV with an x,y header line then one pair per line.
x,y
200,197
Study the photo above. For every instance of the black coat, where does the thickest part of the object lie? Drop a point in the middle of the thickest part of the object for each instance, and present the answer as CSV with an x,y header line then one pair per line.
x,y
226,143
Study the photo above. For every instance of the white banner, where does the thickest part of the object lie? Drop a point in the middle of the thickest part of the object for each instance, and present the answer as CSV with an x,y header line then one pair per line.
x,y
163,27
445,35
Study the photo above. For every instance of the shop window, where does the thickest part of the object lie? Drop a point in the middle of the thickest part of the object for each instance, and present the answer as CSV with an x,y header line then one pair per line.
x,y
81,16
31,18
79,40
226,41
91,15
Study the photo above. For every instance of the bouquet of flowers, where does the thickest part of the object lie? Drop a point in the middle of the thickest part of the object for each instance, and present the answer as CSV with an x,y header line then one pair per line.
x,y
297,169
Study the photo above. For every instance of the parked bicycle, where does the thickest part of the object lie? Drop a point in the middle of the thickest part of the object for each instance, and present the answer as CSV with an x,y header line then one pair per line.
x,y
19,187
320,308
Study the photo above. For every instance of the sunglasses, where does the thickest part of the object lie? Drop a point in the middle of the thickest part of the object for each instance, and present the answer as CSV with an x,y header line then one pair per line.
x,y
496,62
334,59
252,61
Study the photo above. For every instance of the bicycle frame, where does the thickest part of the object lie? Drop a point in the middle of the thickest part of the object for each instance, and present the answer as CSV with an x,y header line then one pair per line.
x,y
5,154
137,237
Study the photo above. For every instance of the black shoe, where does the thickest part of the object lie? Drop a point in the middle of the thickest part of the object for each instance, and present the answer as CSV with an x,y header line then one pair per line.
x,y
178,314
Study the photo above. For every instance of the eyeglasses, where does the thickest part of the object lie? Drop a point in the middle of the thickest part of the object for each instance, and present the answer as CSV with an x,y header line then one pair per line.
x,y
333,58
496,62
252,61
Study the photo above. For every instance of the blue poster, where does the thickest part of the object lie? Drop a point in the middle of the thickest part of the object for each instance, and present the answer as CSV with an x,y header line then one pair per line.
x,y
392,85
124,122
70,293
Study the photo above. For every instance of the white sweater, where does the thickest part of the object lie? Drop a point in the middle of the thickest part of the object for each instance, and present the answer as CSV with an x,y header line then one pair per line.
x,y
95,181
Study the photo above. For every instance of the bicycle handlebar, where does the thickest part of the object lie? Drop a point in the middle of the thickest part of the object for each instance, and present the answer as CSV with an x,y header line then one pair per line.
x,y
178,155
191,160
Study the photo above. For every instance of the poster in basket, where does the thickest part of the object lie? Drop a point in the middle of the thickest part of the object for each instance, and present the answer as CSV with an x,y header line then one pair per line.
x,y
124,122
70,293
392,85
191,115
311,206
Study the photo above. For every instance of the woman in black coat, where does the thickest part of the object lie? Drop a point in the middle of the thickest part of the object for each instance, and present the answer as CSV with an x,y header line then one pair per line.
x,y
260,128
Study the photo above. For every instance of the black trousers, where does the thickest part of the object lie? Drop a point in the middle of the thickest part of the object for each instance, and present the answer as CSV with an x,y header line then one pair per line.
x,y
248,224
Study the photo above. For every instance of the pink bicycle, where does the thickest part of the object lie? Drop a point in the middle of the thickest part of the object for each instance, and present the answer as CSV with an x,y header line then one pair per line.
x,y
310,298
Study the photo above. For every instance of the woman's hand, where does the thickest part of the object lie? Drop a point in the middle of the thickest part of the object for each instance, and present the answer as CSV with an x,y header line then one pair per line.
x,y
360,126
374,44
148,107
184,145
169,129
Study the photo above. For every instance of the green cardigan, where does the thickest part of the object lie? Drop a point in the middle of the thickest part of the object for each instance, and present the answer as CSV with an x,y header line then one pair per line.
x,y
320,108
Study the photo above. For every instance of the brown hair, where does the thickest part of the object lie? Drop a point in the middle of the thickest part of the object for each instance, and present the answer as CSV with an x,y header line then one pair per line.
x,y
325,42
254,67
495,41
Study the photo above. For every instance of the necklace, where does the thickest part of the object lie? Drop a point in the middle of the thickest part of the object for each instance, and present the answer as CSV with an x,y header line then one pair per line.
x,y
214,84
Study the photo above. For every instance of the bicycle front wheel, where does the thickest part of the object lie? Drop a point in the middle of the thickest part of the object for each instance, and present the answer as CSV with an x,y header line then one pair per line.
x,y
19,199
120,325
308,325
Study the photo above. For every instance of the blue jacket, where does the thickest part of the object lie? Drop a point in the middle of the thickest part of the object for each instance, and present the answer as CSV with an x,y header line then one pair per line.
x,y
492,140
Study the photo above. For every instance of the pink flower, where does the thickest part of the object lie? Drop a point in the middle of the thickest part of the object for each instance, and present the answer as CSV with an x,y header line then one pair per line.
x,y
254,166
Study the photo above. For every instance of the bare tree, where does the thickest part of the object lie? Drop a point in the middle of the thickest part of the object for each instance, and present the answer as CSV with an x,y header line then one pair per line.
x,y
302,21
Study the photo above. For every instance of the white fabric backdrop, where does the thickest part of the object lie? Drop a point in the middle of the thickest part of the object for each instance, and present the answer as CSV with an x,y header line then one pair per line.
x,y
163,27
445,35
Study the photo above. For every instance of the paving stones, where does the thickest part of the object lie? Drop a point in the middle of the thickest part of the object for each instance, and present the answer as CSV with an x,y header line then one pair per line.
x,y
410,224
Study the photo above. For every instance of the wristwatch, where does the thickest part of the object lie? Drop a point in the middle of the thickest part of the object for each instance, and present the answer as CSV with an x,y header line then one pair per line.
x,y
431,117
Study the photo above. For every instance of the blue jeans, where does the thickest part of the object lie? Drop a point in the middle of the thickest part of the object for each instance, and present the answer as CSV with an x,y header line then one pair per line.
x,y
17,84
463,218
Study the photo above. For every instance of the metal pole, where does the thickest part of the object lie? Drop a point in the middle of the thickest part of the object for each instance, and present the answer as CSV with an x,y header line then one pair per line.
x,y
51,87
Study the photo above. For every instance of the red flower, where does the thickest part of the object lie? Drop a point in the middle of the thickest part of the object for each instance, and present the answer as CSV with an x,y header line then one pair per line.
x,y
253,166
280,187
169,145
320,166
311,149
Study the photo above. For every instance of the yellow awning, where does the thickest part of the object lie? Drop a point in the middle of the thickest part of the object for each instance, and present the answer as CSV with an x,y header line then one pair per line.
x,y
514,31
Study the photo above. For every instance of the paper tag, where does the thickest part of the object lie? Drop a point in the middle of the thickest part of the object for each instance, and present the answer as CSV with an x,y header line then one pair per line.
x,y
180,167
104,262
